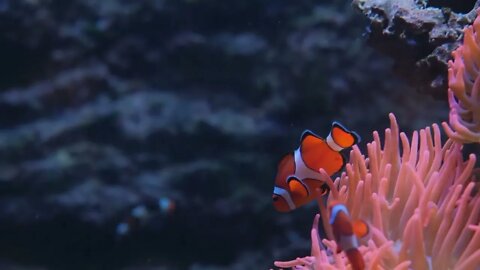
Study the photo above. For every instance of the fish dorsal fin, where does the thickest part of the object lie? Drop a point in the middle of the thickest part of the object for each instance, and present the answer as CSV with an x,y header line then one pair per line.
x,y
309,139
297,187
343,137
306,134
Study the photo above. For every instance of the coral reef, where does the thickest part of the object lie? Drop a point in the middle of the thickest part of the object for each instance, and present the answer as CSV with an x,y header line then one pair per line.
x,y
420,199
107,104
464,88
419,36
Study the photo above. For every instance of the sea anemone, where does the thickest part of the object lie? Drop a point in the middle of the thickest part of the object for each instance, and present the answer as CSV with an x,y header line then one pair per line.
x,y
464,88
419,197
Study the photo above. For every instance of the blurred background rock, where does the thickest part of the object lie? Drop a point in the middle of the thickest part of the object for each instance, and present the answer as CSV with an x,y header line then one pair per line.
x,y
105,105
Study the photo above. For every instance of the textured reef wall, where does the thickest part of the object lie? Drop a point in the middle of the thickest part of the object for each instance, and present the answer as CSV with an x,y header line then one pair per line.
x,y
419,35
108,105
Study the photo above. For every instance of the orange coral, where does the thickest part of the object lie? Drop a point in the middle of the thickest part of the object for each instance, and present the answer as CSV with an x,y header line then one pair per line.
x,y
418,201
464,88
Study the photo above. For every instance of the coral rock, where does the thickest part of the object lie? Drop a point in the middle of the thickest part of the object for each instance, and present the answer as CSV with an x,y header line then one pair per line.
x,y
418,36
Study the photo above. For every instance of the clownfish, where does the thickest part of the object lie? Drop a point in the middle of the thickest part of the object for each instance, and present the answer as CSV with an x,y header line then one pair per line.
x,y
346,232
298,172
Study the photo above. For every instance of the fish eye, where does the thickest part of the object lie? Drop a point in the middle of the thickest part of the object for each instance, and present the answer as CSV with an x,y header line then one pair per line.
x,y
275,198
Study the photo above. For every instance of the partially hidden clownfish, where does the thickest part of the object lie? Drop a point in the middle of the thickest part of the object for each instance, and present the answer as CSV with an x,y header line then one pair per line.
x,y
346,232
298,173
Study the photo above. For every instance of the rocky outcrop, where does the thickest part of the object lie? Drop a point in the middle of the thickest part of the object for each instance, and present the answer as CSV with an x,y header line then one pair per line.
x,y
419,35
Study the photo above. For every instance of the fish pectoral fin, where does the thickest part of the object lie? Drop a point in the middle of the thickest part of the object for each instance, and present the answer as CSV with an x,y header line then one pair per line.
x,y
360,228
297,187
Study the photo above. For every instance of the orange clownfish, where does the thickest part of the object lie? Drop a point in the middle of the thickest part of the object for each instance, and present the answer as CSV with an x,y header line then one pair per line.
x,y
346,232
298,173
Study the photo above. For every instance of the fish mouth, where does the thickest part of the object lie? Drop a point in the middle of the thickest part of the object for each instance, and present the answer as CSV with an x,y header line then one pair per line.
x,y
280,192
280,204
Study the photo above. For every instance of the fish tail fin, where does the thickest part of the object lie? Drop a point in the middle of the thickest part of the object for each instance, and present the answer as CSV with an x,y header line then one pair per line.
x,y
342,136
356,259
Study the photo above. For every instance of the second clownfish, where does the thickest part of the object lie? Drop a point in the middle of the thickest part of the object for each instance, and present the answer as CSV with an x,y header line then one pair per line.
x,y
298,173
346,232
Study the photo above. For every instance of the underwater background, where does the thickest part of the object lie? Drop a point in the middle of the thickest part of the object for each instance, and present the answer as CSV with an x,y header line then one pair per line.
x,y
116,108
